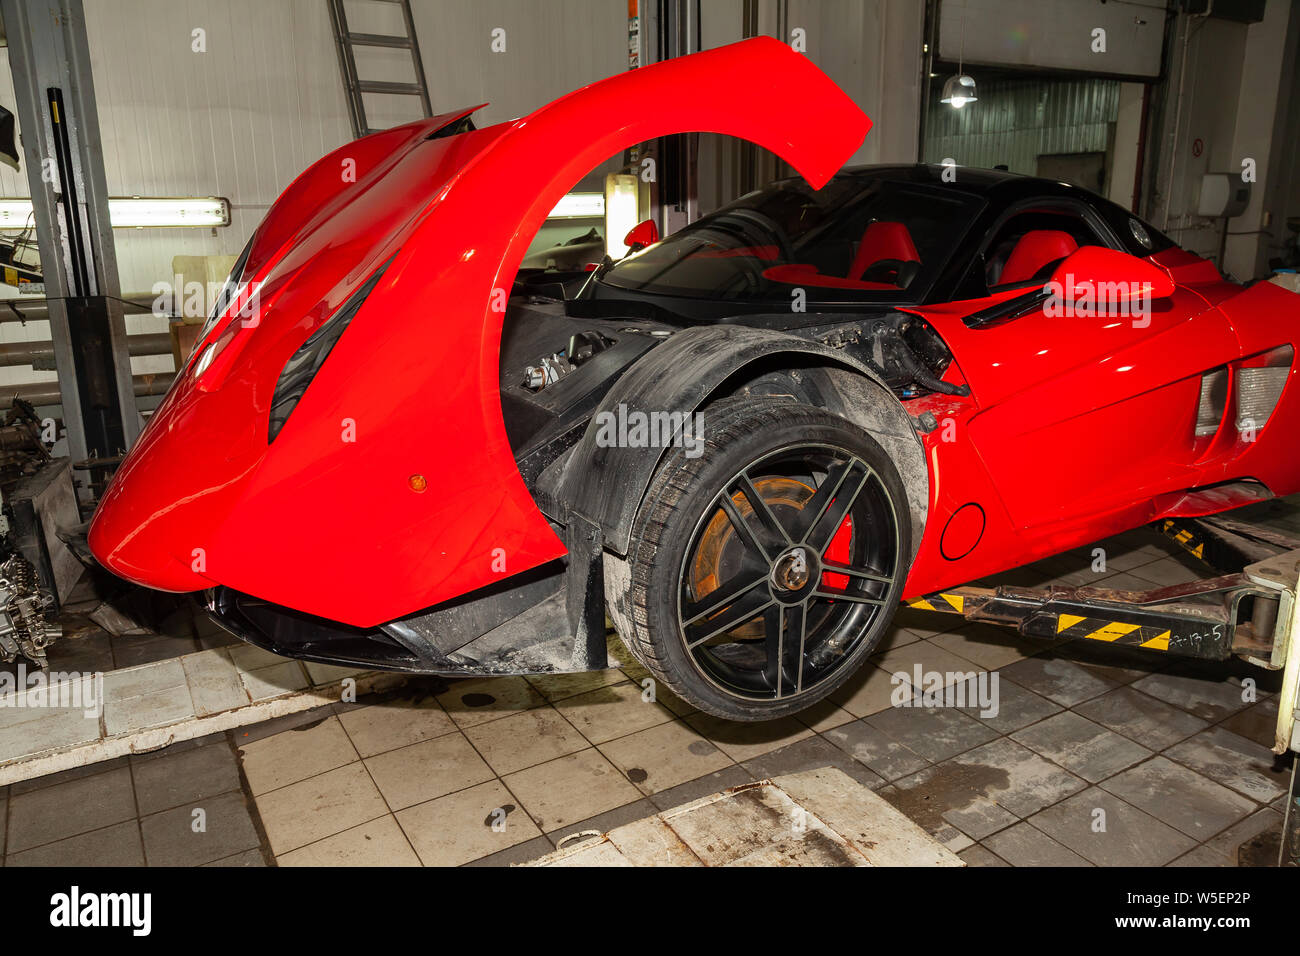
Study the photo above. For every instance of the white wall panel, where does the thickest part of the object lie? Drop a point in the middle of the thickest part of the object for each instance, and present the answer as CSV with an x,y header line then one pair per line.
x,y
265,100
870,48
551,48
1055,34
240,120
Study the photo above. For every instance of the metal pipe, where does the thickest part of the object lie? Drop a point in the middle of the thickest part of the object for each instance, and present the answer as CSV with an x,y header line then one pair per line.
x,y
29,353
47,393
23,309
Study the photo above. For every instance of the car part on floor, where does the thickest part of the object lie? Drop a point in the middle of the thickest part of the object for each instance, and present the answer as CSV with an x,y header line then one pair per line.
x,y
22,451
40,508
24,631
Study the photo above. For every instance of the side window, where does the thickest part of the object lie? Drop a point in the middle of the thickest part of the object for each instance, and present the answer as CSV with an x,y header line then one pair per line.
x,y
1029,245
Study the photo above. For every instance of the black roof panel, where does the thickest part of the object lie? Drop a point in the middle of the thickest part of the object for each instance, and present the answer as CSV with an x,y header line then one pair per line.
x,y
991,183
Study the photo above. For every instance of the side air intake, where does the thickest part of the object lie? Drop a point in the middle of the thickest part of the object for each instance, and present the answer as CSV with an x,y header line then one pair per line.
x,y
1214,398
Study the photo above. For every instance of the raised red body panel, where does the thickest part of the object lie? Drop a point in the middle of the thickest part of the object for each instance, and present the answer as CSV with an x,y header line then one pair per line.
x,y
325,519
392,486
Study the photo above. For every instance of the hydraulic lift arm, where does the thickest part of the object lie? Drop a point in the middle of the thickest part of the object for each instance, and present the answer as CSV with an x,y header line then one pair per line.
x,y
1248,610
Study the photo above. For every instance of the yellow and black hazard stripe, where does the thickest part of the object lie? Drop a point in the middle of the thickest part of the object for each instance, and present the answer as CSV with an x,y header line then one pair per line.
x,y
1190,541
1151,636
950,601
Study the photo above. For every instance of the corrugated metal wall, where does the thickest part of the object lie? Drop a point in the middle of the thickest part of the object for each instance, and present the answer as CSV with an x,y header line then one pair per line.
x,y
1015,121
870,48
265,100
240,120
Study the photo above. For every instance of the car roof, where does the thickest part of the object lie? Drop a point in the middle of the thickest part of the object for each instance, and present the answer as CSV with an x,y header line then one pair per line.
x,y
993,184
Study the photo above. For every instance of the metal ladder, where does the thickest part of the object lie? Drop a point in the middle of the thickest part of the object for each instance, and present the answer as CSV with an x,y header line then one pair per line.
x,y
354,86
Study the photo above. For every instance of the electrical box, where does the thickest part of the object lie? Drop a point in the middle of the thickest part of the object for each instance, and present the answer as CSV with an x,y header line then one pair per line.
x,y
1223,195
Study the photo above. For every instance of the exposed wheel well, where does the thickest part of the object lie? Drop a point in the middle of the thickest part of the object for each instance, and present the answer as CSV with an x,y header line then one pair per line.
x,y
606,482
844,391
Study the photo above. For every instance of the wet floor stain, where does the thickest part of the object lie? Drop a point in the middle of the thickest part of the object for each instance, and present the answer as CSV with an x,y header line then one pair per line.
x,y
478,700
637,775
499,814
944,789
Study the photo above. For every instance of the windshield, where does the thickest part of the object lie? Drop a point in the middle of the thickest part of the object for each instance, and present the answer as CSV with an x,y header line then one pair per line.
x,y
859,237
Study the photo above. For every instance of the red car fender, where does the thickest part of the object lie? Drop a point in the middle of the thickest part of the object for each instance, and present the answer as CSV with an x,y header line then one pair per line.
x,y
421,502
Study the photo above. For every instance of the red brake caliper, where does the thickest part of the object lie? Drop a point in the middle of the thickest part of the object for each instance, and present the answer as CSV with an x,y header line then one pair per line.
x,y
838,551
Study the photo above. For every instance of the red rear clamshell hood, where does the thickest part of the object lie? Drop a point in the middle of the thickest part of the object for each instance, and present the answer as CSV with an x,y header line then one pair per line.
x,y
325,519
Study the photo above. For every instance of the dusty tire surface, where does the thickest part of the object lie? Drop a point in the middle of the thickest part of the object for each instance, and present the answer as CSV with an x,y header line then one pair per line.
x,y
650,592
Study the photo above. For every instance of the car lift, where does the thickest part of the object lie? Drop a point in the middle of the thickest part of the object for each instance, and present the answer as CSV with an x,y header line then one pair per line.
x,y
54,95
1248,610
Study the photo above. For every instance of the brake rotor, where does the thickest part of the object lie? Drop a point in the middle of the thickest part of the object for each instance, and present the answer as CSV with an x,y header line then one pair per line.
x,y
710,569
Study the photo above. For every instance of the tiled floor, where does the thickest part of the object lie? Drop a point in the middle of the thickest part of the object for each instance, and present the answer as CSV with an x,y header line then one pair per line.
x,y
156,627
185,806
1096,756
77,718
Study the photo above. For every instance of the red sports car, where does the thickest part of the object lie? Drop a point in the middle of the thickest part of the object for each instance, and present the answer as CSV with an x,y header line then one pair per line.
x,y
746,443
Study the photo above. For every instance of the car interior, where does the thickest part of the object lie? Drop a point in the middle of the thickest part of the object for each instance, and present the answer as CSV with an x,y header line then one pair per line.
x,y
1031,244
847,236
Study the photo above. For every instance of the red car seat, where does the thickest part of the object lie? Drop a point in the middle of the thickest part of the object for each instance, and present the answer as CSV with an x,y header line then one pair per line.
x,y
883,240
1036,249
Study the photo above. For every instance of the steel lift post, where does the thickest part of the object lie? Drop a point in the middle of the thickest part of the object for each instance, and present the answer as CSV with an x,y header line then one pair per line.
x,y
55,95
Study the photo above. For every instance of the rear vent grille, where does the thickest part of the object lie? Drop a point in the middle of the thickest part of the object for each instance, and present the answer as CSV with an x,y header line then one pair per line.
x,y
1214,396
1260,382
1258,391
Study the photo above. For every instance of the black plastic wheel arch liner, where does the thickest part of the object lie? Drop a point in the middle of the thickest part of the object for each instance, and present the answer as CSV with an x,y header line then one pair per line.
x,y
548,620
606,483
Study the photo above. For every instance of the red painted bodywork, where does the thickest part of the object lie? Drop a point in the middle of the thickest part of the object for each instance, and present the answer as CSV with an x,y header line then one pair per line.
x,y
1081,427
332,526
1074,428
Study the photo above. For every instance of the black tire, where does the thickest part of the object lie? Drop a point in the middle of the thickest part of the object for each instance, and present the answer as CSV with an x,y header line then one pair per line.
x,y
698,533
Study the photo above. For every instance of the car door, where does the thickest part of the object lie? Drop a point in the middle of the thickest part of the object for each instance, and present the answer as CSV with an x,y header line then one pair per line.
x,y
1084,411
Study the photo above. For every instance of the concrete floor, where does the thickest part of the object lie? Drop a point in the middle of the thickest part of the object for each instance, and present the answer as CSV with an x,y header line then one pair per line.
x,y
1097,756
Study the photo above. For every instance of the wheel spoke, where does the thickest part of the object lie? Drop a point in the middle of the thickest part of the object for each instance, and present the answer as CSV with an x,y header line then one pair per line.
x,y
798,620
836,594
743,527
835,567
774,645
766,518
785,640
829,513
715,601
736,614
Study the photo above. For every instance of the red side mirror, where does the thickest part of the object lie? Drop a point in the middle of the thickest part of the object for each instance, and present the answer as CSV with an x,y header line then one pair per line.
x,y
643,234
1103,274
